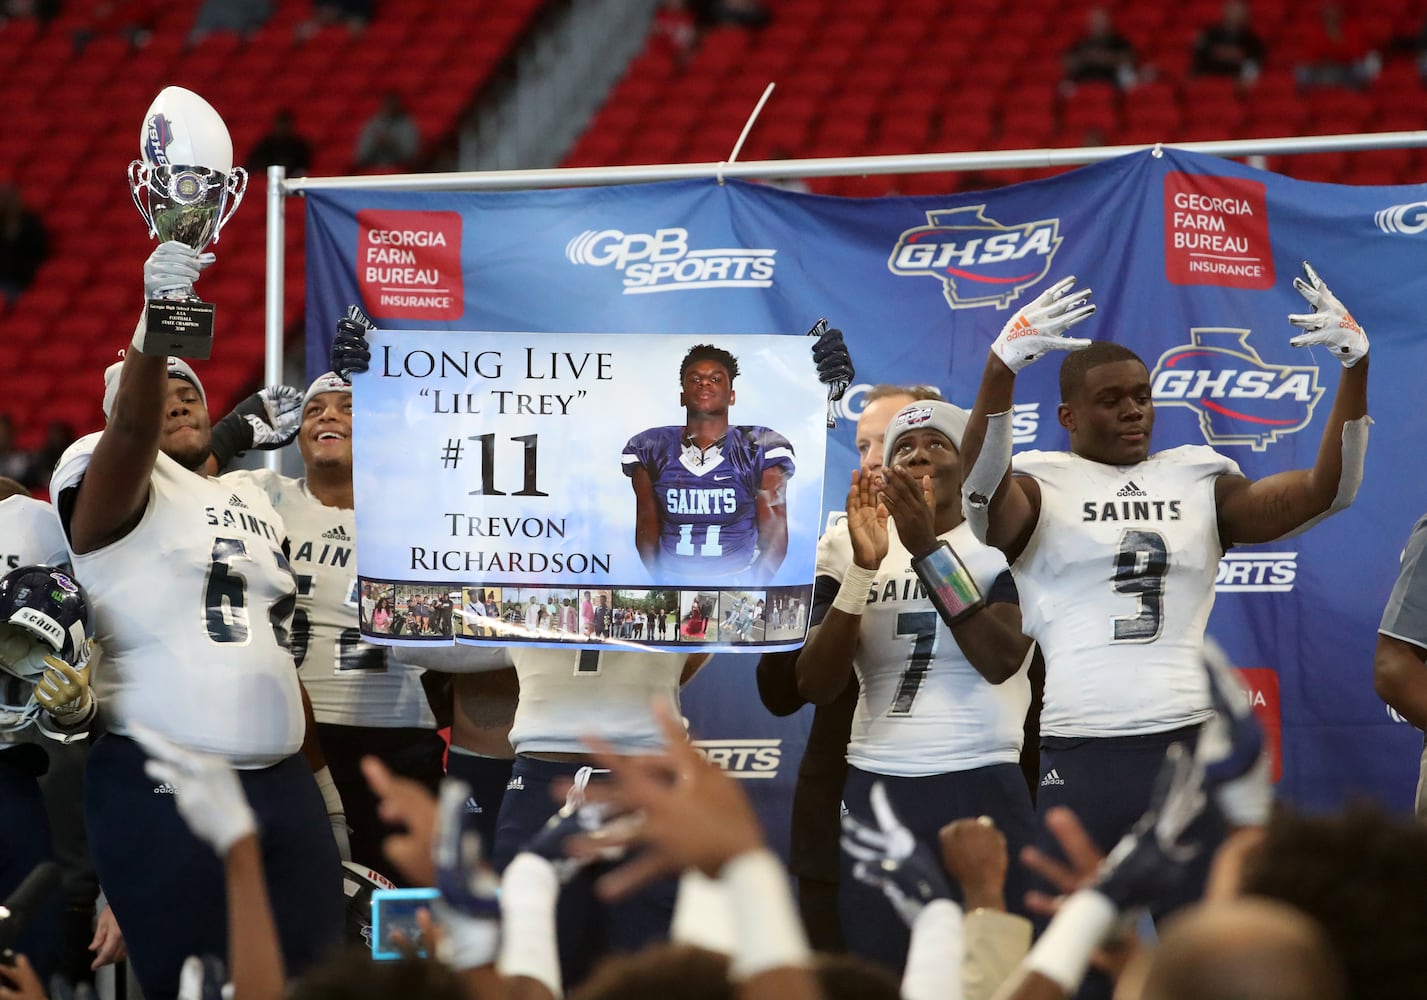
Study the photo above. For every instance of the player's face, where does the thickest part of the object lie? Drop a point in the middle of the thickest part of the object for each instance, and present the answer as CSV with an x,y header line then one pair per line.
x,y
708,391
929,453
325,438
1111,417
872,429
186,433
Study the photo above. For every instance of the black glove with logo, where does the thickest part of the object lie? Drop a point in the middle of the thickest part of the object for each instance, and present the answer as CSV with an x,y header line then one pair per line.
x,y
350,352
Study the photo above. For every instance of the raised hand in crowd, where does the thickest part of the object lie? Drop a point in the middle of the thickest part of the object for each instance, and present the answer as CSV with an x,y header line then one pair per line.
x,y
350,353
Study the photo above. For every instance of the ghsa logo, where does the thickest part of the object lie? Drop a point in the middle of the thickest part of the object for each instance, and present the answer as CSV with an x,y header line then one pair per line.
x,y
1241,399
158,134
979,261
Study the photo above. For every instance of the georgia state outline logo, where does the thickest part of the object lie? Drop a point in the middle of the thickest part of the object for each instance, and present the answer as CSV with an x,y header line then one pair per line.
x,y
980,261
1241,399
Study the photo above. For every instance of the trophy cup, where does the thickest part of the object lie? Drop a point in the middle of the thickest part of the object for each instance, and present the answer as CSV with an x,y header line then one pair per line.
x,y
186,188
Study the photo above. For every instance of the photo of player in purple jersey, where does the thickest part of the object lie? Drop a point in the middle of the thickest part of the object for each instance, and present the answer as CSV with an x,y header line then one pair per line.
x,y
711,497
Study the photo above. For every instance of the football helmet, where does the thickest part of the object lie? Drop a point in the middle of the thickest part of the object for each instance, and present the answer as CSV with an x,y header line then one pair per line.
x,y
358,883
43,611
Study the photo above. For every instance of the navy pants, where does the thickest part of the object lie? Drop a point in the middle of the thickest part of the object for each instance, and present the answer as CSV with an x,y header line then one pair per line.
x,y
925,804
588,928
1108,782
487,777
167,887
25,843
410,753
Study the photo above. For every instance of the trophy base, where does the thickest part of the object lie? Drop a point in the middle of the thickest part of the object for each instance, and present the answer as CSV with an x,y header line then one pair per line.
x,y
182,328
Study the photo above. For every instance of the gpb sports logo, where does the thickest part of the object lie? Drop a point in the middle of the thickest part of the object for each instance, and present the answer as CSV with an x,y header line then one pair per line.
x,y
1256,572
979,261
1406,219
1241,399
158,133
661,261
744,758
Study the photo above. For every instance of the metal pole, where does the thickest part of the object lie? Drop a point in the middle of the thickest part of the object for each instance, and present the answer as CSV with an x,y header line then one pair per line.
x,y
841,166
273,289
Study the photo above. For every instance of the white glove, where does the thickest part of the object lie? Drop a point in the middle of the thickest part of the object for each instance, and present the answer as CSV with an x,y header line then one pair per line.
x,y
205,788
1329,323
1041,325
173,267
63,692
283,406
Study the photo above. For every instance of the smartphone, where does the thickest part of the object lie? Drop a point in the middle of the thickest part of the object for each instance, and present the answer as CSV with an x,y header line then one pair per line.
x,y
395,932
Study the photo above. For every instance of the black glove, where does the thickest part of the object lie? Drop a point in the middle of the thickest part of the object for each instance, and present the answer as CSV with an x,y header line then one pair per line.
x,y
270,418
350,352
834,363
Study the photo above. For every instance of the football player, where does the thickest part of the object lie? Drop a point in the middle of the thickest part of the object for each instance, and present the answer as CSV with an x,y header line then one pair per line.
x,y
710,497
364,699
44,691
928,618
814,855
192,596
1115,547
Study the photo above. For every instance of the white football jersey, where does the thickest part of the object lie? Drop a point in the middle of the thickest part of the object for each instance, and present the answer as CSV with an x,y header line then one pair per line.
x,y
349,681
923,708
1117,582
568,694
191,611
30,534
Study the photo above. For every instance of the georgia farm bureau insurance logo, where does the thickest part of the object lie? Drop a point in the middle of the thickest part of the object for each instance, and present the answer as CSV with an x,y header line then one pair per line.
x,y
1403,219
661,261
979,261
1241,399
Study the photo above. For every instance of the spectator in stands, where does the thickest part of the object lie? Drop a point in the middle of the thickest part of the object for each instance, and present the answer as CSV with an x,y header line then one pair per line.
x,y
1336,53
242,17
675,28
14,463
355,15
24,243
390,137
1102,55
133,20
282,146
42,11
59,435
744,13
1230,47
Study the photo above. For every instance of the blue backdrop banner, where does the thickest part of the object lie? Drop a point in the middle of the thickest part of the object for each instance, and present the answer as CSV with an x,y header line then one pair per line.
x,y
1191,259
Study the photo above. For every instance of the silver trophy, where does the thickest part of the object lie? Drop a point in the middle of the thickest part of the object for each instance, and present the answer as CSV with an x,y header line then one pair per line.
x,y
186,188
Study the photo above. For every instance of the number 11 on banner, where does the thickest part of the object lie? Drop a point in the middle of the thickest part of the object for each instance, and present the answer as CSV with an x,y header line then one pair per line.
x,y
531,443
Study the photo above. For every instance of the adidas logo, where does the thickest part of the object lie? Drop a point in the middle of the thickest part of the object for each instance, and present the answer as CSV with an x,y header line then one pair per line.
x,y
337,534
1021,328
516,784
1052,778
472,806
165,789
1131,489
237,501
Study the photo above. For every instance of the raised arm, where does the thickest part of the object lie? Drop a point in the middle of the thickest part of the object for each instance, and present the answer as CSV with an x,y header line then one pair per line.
x,y
111,497
1288,502
1002,510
